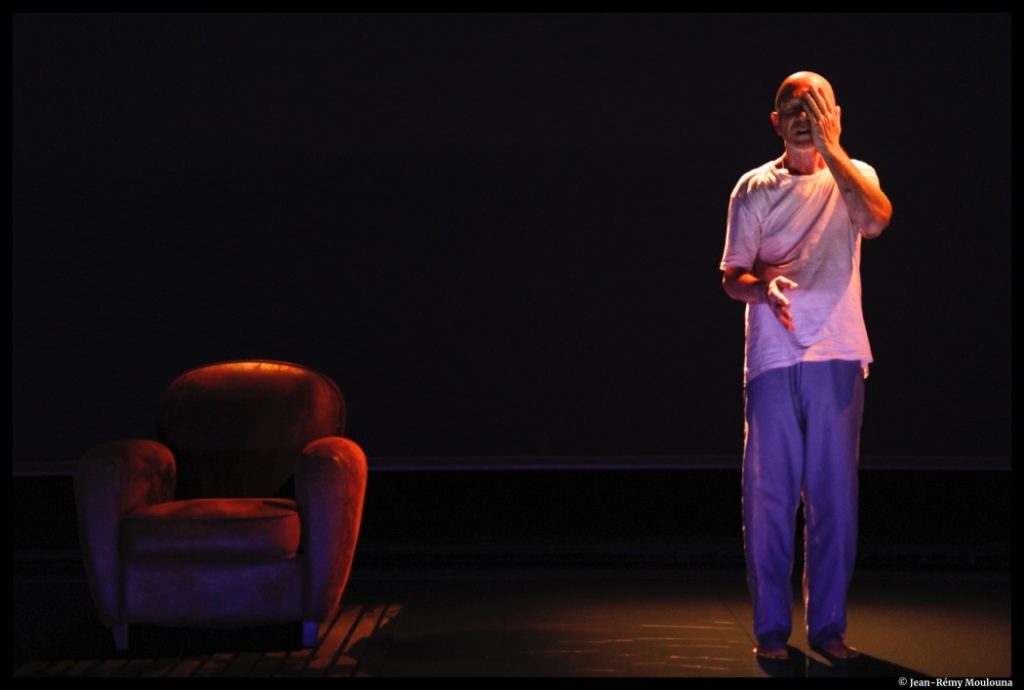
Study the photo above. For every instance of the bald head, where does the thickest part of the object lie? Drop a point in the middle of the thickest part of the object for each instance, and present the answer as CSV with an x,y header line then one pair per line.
x,y
795,85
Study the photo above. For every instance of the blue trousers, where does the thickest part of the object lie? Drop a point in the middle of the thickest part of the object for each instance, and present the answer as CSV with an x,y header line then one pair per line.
x,y
802,440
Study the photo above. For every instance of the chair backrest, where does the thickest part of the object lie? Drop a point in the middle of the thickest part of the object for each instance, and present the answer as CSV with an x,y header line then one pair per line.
x,y
237,429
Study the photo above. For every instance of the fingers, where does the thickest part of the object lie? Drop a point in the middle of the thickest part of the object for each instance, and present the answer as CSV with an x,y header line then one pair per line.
x,y
779,303
777,285
785,318
819,106
816,101
780,307
823,117
814,108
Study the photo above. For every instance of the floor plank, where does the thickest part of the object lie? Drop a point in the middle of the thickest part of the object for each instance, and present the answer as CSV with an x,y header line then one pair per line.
x,y
333,640
294,663
268,665
134,668
81,667
346,662
32,668
215,665
107,668
375,657
187,667
161,667
242,664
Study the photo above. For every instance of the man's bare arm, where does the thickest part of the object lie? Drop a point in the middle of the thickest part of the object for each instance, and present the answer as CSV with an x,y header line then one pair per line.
x,y
741,284
868,206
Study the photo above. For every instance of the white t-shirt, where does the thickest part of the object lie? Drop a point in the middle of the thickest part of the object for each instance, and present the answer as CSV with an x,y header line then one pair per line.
x,y
798,226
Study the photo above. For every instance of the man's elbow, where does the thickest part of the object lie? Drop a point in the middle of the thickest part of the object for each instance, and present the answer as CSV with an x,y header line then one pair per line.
x,y
879,222
727,283
731,285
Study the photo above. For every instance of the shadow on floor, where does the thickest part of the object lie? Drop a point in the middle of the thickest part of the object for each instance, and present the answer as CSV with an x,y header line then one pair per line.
x,y
801,665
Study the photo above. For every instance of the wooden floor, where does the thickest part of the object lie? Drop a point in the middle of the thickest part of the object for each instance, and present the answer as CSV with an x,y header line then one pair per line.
x,y
352,646
581,621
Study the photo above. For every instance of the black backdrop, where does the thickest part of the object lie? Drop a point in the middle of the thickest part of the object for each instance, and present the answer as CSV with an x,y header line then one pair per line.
x,y
499,234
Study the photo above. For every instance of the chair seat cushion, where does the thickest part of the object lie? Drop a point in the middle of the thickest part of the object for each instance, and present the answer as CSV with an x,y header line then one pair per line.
x,y
215,528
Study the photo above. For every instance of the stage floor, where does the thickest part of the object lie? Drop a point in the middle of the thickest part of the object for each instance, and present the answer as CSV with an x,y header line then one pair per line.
x,y
569,620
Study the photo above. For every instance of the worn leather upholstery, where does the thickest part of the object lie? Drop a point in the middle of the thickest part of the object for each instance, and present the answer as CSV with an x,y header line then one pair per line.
x,y
194,530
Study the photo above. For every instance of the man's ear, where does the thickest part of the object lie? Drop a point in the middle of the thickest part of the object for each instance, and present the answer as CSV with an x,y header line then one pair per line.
x,y
775,122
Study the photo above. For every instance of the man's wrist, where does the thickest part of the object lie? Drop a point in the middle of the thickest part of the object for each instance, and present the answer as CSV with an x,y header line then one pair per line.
x,y
833,153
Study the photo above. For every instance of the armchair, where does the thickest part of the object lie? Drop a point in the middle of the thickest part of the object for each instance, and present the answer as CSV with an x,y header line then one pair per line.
x,y
199,528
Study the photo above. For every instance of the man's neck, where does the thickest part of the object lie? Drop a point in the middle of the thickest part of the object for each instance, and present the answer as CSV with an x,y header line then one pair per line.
x,y
803,161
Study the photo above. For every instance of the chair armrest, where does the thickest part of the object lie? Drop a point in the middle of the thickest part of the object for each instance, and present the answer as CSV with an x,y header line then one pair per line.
x,y
112,480
330,484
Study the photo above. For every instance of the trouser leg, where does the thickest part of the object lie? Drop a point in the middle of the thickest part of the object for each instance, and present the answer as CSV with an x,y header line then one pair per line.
x,y
772,457
833,399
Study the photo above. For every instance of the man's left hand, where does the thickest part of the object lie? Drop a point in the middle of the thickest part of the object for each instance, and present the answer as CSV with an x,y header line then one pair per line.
x,y
825,119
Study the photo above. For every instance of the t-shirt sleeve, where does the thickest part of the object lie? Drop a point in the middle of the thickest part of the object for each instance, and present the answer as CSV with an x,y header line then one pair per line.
x,y
742,232
868,172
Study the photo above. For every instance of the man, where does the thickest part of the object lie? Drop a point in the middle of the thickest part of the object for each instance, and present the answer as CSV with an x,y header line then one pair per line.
x,y
792,253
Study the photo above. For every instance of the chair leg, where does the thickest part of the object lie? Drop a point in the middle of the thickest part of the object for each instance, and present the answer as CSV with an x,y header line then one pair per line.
x,y
310,633
120,637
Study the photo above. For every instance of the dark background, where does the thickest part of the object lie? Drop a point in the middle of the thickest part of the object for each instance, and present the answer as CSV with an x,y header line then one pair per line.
x,y
498,234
